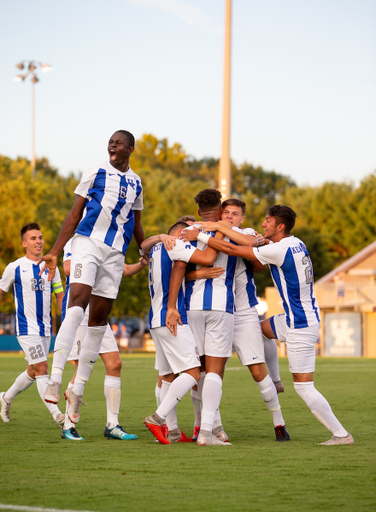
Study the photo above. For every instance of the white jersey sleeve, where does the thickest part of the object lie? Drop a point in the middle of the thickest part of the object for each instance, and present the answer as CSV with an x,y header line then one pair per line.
x,y
8,277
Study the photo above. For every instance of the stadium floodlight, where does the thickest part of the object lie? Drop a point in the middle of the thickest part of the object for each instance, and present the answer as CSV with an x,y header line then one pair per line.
x,y
31,66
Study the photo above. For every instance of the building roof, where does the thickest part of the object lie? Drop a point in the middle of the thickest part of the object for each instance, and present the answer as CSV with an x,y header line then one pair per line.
x,y
350,263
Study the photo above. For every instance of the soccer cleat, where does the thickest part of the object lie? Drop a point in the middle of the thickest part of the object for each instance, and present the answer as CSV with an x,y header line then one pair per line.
x,y
176,436
71,434
196,432
60,419
74,402
157,427
118,433
279,386
281,433
52,393
339,440
5,408
210,440
220,434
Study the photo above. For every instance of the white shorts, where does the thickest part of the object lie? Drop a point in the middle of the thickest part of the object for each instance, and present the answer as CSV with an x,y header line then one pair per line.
x,y
36,347
97,265
213,332
300,344
248,342
108,343
175,354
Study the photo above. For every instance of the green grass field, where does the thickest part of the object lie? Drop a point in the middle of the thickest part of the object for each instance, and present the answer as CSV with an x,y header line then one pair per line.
x,y
39,469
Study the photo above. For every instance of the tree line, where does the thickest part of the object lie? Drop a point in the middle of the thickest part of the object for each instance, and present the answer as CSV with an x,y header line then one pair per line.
x,y
335,220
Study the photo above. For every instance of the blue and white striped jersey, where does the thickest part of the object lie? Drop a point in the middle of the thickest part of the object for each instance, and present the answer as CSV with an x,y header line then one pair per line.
x,y
111,196
213,294
32,296
292,273
245,286
160,266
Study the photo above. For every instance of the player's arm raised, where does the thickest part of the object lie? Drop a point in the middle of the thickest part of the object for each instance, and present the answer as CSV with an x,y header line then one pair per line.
x,y
69,225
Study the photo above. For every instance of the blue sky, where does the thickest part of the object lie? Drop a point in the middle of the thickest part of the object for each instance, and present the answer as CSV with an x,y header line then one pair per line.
x,y
303,81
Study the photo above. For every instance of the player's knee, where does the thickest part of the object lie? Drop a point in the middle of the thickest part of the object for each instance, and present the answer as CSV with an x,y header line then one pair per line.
x,y
40,369
258,371
114,366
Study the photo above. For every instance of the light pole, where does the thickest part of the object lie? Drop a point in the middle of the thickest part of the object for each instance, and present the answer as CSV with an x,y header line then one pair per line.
x,y
30,67
225,161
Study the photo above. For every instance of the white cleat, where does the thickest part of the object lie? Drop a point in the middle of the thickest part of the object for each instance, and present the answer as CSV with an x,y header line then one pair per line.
x,y
60,419
5,408
52,393
74,402
339,440
211,440
221,434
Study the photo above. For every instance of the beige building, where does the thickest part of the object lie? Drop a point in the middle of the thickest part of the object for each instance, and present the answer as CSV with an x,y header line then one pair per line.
x,y
347,299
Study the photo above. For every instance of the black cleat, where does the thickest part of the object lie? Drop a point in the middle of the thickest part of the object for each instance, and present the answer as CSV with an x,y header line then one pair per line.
x,y
281,433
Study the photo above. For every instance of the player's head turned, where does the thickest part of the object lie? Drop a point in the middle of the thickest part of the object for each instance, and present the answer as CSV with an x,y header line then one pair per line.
x,y
189,219
32,226
209,204
283,215
178,226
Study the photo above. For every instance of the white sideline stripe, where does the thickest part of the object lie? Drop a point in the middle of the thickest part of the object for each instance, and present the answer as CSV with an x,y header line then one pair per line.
x,y
37,509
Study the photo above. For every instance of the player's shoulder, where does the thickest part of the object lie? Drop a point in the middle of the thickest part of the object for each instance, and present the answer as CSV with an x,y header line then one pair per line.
x,y
131,174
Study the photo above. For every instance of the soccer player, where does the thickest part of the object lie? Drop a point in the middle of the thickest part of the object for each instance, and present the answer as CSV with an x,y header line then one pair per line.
x,y
291,269
175,354
109,352
32,299
107,211
248,339
210,306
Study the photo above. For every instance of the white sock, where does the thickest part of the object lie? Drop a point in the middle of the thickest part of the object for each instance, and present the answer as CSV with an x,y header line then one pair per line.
x,y
172,417
196,397
320,407
211,397
217,420
271,358
176,391
68,423
270,396
89,354
42,383
64,341
113,394
158,394
22,382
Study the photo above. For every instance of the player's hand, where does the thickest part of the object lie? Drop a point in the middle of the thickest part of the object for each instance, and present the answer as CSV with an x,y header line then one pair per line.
x,y
209,272
50,264
144,260
209,226
172,320
189,235
168,241
260,239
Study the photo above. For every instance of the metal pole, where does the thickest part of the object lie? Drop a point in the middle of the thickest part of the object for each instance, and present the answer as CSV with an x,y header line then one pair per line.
x,y
32,127
225,161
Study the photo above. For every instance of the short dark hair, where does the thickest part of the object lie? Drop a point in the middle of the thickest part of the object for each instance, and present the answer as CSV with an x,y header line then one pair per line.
x,y
284,214
234,202
29,227
129,136
178,225
187,218
208,198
